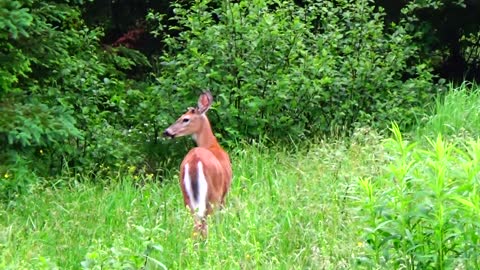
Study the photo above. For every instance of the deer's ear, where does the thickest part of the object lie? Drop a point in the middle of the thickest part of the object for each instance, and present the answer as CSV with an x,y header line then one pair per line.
x,y
204,102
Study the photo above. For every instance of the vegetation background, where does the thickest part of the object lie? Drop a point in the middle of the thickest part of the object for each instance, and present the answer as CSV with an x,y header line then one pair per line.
x,y
306,91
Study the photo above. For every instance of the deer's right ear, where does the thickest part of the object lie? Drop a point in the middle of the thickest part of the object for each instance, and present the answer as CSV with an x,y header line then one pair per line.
x,y
204,102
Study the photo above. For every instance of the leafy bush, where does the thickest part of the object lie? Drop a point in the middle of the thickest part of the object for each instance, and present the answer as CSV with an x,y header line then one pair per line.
x,y
282,70
64,98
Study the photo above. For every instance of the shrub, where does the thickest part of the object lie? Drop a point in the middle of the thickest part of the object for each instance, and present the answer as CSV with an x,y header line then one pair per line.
x,y
64,98
283,70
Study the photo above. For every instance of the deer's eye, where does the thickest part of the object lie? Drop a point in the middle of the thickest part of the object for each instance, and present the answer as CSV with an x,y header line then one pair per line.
x,y
186,120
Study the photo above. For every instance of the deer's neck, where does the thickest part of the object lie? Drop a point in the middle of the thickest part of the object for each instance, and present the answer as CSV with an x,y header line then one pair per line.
x,y
204,137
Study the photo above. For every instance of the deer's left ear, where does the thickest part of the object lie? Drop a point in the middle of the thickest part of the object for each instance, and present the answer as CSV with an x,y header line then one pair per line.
x,y
204,102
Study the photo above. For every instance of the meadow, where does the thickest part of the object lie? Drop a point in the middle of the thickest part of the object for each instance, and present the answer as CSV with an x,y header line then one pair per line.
x,y
373,200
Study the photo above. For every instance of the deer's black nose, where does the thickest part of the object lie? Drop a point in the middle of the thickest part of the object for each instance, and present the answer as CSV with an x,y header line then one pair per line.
x,y
166,133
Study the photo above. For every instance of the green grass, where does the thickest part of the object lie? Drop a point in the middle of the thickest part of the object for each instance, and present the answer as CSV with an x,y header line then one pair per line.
x,y
366,202
455,114
284,211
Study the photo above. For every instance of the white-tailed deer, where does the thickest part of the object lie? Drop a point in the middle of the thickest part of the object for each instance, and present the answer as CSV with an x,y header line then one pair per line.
x,y
205,172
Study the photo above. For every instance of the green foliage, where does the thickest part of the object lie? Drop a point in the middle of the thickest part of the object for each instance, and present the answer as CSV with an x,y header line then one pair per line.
x,y
32,118
66,104
277,68
423,212
36,124
14,19
16,178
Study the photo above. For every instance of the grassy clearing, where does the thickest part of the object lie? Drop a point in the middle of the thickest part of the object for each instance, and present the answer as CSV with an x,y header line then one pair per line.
x,y
284,211
368,202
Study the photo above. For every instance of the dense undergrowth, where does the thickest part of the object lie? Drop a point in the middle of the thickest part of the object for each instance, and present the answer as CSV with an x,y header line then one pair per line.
x,y
370,201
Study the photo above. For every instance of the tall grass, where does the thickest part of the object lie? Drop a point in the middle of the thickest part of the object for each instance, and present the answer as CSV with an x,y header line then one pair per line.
x,y
457,113
424,212
285,211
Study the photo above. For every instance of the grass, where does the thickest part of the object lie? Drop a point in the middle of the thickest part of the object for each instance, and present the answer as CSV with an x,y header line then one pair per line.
x,y
455,114
284,211
366,202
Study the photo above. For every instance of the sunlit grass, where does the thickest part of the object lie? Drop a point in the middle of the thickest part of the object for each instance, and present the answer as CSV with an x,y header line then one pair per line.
x,y
63,225
285,210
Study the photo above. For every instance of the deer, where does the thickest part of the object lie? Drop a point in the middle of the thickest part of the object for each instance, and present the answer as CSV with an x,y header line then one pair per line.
x,y
205,172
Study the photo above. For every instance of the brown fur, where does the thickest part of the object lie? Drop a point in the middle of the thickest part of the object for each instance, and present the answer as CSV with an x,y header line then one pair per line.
x,y
216,162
